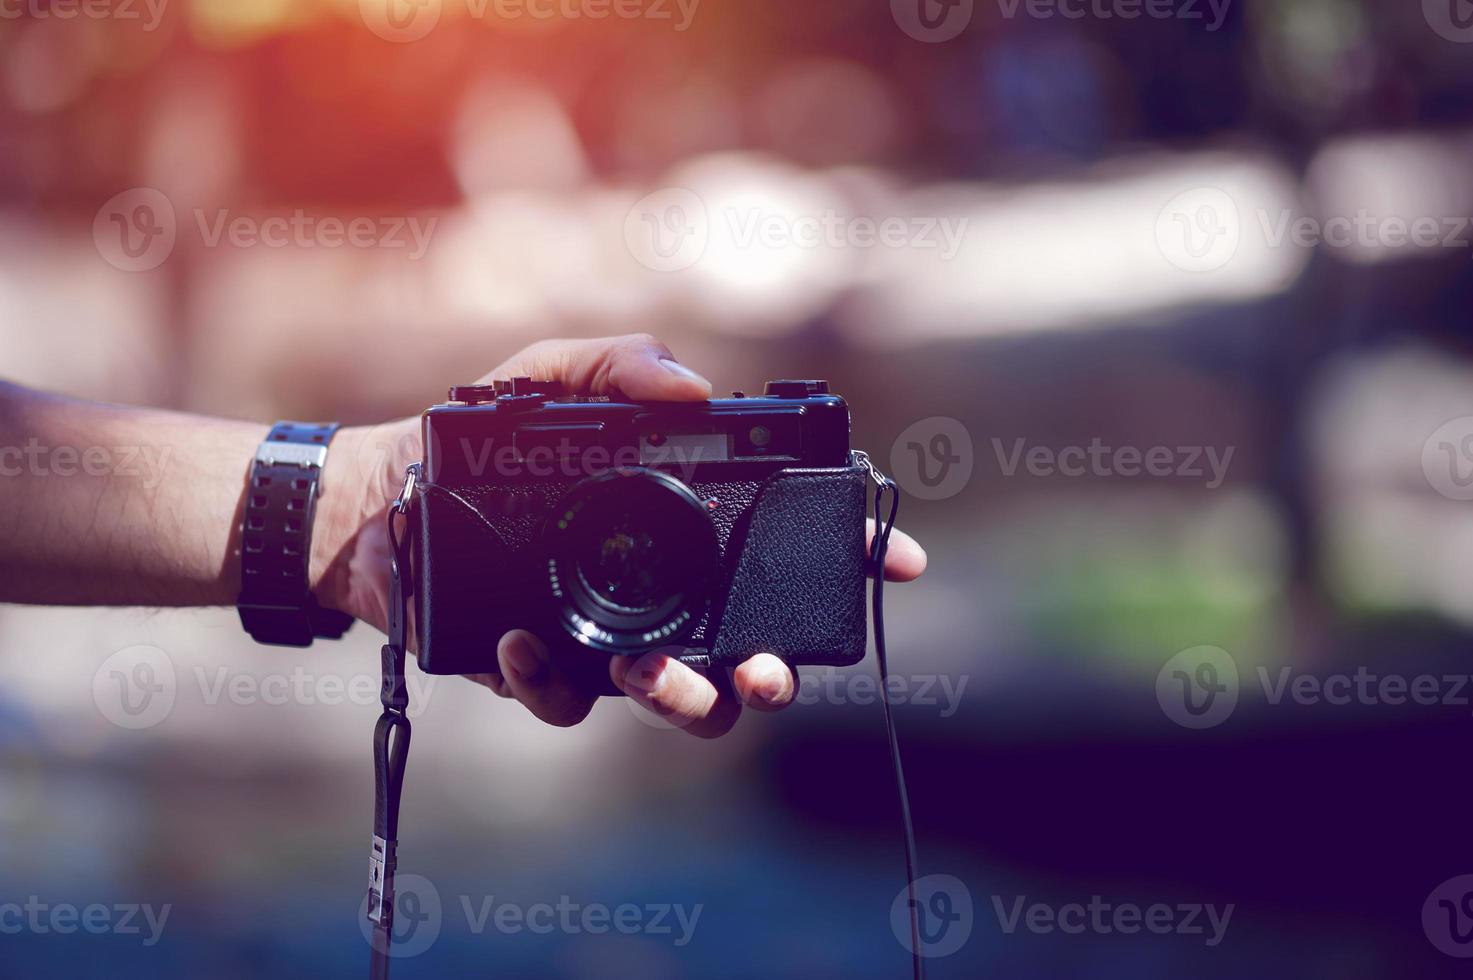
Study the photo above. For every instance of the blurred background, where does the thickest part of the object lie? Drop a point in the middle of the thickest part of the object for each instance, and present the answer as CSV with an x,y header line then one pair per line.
x,y
1038,247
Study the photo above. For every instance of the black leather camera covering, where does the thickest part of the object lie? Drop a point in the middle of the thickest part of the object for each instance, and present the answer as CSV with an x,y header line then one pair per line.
x,y
792,575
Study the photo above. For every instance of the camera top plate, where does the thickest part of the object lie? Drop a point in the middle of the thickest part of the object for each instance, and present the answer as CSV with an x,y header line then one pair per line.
x,y
793,424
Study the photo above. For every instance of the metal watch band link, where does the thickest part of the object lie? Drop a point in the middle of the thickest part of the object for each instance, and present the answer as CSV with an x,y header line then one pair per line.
x,y
276,603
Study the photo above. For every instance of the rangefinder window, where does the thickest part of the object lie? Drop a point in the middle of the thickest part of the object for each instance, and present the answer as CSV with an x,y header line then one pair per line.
x,y
658,448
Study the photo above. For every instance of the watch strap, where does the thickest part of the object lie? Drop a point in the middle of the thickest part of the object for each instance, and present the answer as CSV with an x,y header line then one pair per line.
x,y
276,603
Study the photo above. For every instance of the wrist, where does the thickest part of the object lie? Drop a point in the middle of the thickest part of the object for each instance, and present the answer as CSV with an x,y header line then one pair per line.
x,y
340,516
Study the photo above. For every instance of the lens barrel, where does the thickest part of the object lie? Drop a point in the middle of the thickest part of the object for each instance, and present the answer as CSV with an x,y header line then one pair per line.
x,y
632,559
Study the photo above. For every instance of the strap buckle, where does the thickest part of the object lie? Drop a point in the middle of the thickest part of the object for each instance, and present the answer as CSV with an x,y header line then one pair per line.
x,y
863,459
383,861
411,479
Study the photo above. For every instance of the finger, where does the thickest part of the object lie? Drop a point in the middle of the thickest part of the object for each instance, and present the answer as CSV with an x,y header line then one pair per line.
x,y
765,682
677,694
905,559
494,682
639,366
535,680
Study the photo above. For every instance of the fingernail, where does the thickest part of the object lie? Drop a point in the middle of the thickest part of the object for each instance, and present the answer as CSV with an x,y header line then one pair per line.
x,y
681,371
521,658
772,689
642,675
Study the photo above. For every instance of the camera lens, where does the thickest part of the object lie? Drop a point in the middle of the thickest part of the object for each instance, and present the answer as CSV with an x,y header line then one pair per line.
x,y
631,557
628,571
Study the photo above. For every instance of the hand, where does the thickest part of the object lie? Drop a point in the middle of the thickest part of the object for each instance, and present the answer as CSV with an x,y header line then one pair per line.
x,y
365,471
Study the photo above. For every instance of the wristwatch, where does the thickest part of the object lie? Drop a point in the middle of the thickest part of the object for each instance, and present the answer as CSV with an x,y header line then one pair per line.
x,y
276,603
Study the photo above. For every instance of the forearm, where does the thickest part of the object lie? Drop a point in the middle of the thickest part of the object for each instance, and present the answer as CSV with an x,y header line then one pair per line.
x,y
111,505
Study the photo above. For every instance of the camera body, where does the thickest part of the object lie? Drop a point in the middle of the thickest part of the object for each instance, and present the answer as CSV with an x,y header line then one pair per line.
x,y
712,530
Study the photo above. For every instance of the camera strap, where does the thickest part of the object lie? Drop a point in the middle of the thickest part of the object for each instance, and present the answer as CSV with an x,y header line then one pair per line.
x,y
885,523
391,737
391,734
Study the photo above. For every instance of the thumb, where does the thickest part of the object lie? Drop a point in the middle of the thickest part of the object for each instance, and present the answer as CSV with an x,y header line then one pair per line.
x,y
657,376
640,366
